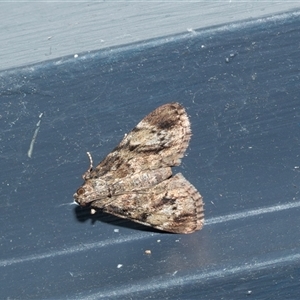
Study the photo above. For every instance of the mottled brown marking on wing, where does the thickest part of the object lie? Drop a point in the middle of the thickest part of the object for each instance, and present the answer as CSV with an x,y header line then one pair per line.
x,y
174,205
159,140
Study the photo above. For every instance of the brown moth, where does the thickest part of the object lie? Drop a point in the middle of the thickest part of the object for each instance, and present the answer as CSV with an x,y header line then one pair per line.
x,y
135,180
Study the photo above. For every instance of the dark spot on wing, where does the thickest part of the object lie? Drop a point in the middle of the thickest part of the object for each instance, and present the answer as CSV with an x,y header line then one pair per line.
x,y
183,218
117,210
165,201
133,147
166,124
169,201
143,217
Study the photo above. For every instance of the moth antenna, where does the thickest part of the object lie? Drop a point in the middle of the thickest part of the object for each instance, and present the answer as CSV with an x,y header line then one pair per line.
x,y
89,170
91,161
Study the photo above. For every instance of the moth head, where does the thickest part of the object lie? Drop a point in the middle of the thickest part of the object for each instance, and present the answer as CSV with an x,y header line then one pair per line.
x,y
84,195
90,191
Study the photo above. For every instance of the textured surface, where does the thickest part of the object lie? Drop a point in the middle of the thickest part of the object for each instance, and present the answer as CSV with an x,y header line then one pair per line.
x,y
240,86
35,31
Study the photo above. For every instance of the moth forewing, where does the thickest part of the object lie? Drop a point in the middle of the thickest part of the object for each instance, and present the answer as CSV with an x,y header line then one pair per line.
x,y
174,205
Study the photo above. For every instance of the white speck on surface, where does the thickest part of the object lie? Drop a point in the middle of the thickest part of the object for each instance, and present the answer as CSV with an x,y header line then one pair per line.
x,y
119,266
191,30
116,230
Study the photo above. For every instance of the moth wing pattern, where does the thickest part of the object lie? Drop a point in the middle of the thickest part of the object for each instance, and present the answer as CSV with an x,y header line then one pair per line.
x,y
173,205
158,141
135,180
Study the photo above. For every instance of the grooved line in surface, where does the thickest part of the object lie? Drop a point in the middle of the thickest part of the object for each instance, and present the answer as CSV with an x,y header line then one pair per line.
x,y
140,236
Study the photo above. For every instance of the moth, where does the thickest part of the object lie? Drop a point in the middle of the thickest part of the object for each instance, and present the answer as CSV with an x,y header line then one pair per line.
x,y
135,180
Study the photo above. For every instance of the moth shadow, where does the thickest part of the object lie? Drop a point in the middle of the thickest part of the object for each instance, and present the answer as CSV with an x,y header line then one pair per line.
x,y
83,214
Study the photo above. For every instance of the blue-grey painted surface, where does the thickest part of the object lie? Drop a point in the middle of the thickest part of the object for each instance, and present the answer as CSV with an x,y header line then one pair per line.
x,y
240,86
